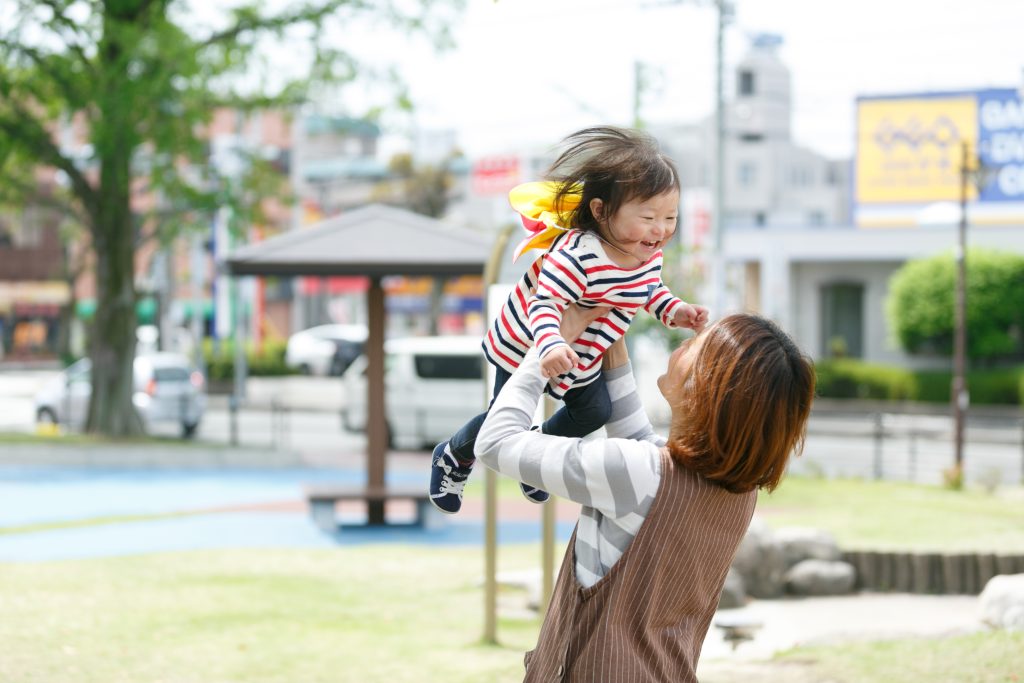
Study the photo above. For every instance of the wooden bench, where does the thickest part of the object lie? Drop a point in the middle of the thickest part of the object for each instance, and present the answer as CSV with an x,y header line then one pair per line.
x,y
323,498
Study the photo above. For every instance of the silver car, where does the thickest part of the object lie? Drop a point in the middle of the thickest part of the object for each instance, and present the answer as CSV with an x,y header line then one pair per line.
x,y
167,389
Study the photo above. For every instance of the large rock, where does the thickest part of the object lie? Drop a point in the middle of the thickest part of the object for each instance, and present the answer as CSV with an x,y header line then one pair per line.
x,y
820,577
1002,602
759,561
733,593
803,543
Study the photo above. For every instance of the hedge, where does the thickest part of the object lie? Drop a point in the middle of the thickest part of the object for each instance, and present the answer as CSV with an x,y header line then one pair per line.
x,y
850,378
269,362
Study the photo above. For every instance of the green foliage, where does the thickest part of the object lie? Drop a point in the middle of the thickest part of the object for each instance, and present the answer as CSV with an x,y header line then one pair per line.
x,y
996,386
423,189
673,275
850,378
143,80
268,362
921,304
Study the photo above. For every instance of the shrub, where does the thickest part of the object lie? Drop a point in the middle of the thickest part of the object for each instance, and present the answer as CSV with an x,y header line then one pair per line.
x,y
986,387
850,378
269,362
921,298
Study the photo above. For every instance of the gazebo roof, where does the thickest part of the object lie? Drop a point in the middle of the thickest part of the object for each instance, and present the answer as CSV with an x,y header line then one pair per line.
x,y
373,240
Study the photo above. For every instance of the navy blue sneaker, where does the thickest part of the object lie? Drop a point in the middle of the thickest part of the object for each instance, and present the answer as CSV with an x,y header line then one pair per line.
x,y
447,479
534,495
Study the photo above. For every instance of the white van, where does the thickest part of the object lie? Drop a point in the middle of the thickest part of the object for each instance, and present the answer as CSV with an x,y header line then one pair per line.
x,y
432,387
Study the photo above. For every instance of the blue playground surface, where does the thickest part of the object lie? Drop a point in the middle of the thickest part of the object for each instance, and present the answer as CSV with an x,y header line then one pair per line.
x,y
33,495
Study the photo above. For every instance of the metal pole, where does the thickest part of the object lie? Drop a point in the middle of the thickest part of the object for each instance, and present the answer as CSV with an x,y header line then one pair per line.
x,y
718,208
878,445
547,554
638,88
491,271
959,393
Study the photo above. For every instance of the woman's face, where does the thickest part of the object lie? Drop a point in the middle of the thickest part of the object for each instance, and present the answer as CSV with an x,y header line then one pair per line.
x,y
679,364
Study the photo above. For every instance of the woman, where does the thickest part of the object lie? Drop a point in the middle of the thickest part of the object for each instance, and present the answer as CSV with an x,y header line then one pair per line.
x,y
661,519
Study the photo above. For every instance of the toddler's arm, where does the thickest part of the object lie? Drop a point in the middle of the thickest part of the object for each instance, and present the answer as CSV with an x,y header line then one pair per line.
x,y
560,282
673,311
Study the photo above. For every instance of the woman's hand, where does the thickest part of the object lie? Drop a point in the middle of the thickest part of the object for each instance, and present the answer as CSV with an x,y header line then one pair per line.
x,y
575,320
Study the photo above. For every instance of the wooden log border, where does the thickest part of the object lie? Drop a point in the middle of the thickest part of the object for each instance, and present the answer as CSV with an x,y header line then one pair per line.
x,y
929,573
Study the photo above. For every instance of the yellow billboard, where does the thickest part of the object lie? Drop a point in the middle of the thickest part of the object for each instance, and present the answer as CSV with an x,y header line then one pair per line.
x,y
909,149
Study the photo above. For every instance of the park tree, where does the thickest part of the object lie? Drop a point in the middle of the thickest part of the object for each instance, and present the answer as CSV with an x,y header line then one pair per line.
x,y
142,79
921,300
422,188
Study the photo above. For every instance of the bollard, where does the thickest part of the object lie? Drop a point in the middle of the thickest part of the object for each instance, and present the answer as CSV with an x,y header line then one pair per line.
x,y
1022,452
912,465
878,445
233,411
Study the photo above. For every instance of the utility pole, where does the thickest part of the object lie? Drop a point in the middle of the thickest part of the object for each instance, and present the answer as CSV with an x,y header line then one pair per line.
x,y
958,393
725,11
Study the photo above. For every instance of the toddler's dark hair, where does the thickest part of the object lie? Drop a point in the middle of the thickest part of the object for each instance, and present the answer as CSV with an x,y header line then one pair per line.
x,y
612,164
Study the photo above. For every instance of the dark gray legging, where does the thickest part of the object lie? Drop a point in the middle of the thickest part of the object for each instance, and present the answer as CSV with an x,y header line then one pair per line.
x,y
586,409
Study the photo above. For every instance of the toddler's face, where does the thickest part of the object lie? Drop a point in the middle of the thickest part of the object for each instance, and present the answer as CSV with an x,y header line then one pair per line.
x,y
643,226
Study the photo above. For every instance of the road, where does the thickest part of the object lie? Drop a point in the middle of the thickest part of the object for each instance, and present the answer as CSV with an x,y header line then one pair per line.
x,y
302,414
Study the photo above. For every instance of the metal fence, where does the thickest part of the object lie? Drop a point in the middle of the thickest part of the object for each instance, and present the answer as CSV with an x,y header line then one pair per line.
x,y
912,447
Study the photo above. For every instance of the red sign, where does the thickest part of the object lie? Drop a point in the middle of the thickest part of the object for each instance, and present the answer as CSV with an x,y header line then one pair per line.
x,y
495,175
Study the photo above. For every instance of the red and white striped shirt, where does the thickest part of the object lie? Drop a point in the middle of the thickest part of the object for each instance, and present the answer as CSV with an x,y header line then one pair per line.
x,y
575,270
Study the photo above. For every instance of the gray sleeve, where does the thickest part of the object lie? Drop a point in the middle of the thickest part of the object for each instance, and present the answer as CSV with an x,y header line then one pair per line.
x,y
615,476
628,419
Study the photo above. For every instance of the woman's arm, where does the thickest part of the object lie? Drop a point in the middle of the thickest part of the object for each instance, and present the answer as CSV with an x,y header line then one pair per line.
x,y
612,475
628,419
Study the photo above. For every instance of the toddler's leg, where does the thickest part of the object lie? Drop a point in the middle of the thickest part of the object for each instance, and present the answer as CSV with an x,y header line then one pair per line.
x,y
586,409
453,459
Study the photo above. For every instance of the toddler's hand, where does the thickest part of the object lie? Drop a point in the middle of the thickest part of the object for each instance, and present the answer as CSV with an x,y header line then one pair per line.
x,y
558,361
691,316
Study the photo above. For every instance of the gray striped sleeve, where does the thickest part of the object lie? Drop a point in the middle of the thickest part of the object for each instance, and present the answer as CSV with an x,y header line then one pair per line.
x,y
611,475
628,419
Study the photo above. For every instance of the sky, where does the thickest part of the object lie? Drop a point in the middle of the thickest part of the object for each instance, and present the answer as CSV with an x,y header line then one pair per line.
x,y
524,73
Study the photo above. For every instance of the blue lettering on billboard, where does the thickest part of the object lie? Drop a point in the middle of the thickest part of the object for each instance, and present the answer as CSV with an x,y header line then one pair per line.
x,y
1001,144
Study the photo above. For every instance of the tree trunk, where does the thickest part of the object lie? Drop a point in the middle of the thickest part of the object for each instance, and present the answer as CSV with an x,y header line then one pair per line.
x,y
112,346
112,342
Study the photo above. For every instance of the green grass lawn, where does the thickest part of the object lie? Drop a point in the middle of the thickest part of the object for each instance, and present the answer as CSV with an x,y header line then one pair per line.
x,y
383,613
899,516
393,614
988,657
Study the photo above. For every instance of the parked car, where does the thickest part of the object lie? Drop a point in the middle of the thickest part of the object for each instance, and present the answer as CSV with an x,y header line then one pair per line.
x,y
432,386
325,349
167,389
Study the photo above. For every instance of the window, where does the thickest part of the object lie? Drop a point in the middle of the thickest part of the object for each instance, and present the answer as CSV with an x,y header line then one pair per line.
x,y
832,176
747,174
746,82
171,374
842,320
449,367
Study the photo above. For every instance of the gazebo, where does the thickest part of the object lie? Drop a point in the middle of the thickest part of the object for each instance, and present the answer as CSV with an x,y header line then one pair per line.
x,y
372,241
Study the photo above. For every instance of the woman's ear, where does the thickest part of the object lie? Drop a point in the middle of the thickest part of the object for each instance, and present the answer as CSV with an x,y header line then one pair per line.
x,y
597,209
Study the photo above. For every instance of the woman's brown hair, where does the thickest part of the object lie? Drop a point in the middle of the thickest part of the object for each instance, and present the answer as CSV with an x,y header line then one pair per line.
x,y
743,406
612,164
